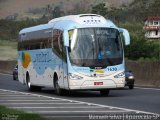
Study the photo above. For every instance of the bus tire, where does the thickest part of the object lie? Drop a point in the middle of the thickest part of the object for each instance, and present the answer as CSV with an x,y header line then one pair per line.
x,y
131,86
31,87
104,92
57,88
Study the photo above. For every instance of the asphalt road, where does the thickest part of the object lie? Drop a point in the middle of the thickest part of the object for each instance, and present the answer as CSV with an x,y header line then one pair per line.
x,y
124,100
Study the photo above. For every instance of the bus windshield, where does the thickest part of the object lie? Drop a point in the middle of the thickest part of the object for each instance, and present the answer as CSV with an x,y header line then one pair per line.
x,y
95,47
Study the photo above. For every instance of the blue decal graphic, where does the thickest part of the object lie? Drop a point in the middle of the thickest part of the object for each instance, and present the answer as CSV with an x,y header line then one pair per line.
x,y
43,59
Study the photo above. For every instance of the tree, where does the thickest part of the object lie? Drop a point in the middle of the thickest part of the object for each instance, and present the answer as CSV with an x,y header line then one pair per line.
x,y
49,11
100,9
57,12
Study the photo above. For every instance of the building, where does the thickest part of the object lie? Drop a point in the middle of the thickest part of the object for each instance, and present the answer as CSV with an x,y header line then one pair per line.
x,y
152,27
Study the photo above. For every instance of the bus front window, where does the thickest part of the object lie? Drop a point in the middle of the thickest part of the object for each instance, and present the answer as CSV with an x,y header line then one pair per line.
x,y
95,47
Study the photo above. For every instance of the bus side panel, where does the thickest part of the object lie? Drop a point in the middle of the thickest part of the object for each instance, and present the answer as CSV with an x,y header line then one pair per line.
x,y
41,65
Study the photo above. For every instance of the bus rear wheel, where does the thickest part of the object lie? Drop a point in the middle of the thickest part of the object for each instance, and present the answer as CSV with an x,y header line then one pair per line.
x,y
30,87
104,92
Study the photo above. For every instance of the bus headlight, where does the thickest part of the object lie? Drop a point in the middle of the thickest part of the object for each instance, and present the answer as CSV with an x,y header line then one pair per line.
x,y
120,75
74,77
131,77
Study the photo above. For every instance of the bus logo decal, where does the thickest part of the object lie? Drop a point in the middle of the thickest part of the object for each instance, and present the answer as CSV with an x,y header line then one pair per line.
x,y
26,59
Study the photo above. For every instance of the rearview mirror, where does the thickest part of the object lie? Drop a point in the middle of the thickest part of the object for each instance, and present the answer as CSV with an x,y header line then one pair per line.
x,y
66,38
125,35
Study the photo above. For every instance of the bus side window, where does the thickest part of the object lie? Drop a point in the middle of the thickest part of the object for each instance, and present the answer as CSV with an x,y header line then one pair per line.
x,y
41,45
49,42
20,46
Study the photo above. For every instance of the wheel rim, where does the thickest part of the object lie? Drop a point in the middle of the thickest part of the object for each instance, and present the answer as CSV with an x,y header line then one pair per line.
x,y
28,83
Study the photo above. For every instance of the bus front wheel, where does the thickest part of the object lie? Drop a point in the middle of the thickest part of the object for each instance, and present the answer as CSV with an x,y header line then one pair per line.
x,y
131,86
57,88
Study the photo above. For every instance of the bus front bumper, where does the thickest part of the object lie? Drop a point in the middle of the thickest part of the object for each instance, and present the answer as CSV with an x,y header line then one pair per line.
x,y
98,84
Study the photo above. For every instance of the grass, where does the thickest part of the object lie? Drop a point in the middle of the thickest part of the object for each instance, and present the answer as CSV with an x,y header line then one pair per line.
x,y
8,114
8,50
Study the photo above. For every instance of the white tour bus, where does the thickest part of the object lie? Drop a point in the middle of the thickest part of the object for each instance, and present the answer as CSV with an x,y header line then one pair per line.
x,y
75,52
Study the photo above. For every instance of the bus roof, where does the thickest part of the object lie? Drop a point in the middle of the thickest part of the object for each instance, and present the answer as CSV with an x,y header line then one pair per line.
x,y
67,22
78,18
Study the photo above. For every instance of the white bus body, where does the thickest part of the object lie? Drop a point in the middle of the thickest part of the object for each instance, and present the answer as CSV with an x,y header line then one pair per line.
x,y
76,52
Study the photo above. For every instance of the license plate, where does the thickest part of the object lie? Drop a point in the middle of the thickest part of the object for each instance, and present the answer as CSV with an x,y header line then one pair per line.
x,y
98,83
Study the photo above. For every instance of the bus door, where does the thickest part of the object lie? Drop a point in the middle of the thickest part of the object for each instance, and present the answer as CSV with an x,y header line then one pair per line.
x,y
58,51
